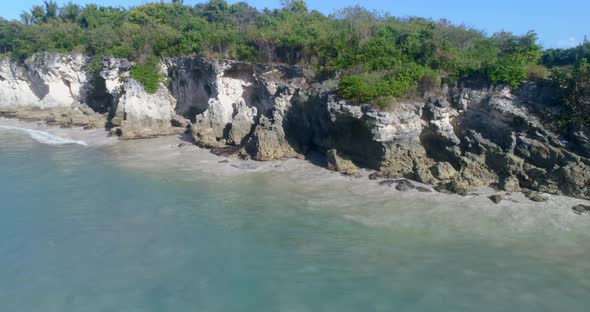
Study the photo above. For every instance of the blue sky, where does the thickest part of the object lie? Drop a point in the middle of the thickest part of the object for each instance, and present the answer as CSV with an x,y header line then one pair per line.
x,y
559,23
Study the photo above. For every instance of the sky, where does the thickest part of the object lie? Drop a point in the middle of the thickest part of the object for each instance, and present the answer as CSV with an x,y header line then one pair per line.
x,y
559,24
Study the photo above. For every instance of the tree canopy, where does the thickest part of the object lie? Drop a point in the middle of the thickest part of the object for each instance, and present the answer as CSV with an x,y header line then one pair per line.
x,y
377,55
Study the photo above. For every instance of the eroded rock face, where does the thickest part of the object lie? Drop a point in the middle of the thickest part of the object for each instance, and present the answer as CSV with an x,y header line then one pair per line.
x,y
236,104
43,81
146,115
269,142
461,140
47,87
463,137
60,88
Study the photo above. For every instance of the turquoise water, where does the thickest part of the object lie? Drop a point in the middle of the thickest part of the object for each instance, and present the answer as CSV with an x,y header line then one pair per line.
x,y
79,232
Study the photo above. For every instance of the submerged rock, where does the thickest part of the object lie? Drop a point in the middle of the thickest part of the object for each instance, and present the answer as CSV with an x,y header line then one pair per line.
x,y
225,150
535,196
581,209
404,186
422,189
456,186
496,198
388,182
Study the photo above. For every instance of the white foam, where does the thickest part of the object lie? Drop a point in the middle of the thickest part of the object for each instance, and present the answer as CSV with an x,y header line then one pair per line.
x,y
45,137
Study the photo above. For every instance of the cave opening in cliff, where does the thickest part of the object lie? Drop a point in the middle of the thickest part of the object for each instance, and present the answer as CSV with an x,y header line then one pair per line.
x,y
99,99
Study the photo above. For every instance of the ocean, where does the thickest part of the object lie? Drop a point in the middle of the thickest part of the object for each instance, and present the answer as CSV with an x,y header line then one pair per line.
x,y
153,226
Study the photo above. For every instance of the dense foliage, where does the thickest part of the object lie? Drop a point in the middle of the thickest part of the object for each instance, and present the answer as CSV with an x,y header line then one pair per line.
x,y
378,56
567,57
148,74
570,75
574,92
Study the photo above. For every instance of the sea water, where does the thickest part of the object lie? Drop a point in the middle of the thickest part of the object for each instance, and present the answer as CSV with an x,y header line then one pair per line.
x,y
95,228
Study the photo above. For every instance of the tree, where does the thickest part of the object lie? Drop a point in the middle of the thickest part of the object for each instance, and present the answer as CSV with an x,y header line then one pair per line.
x,y
384,56
516,53
51,10
27,18
294,6
37,14
70,12
359,21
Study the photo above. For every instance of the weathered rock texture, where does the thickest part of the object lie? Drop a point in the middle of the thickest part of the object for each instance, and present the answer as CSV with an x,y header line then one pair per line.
x,y
464,137
61,89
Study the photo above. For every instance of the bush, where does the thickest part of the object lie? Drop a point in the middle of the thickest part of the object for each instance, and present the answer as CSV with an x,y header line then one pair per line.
x,y
96,65
368,87
507,71
574,91
430,82
357,88
537,72
386,102
148,74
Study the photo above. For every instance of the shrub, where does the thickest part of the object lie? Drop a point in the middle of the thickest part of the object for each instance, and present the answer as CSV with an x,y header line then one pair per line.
x,y
120,52
386,102
430,82
96,65
537,72
574,90
148,74
368,87
509,71
357,89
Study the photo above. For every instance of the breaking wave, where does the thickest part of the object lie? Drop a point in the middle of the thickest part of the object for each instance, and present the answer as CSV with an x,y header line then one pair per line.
x,y
44,137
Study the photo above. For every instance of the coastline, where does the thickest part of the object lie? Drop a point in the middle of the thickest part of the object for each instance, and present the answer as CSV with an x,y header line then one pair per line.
x,y
172,156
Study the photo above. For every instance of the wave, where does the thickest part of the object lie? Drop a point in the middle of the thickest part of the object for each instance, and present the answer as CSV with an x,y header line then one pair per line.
x,y
44,137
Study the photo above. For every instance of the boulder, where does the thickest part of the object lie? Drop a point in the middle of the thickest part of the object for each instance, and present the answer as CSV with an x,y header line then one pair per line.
x,y
341,164
443,171
404,186
268,142
535,196
581,209
496,198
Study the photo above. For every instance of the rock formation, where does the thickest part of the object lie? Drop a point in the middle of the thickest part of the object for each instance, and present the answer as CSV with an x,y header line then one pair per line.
x,y
459,138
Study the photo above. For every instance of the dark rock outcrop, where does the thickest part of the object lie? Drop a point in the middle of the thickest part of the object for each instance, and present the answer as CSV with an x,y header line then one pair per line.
x,y
581,209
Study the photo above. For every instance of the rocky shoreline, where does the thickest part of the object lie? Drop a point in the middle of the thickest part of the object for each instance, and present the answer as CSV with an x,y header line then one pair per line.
x,y
173,155
458,139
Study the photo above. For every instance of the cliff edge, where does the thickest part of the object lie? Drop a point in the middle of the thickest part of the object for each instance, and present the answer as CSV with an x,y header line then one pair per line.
x,y
458,138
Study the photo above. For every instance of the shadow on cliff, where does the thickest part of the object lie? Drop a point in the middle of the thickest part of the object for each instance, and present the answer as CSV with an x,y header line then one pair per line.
x,y
311,131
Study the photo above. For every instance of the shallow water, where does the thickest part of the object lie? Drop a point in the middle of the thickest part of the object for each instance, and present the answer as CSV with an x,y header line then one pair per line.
x,y
86,228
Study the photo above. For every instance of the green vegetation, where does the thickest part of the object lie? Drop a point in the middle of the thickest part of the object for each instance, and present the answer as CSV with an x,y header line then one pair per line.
x,y
378,56
377,85
147,73
574,91
516,54
570,75
567,57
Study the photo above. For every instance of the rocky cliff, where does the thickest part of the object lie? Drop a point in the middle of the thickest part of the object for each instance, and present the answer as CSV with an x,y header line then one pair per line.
x,y
459,138
63,89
